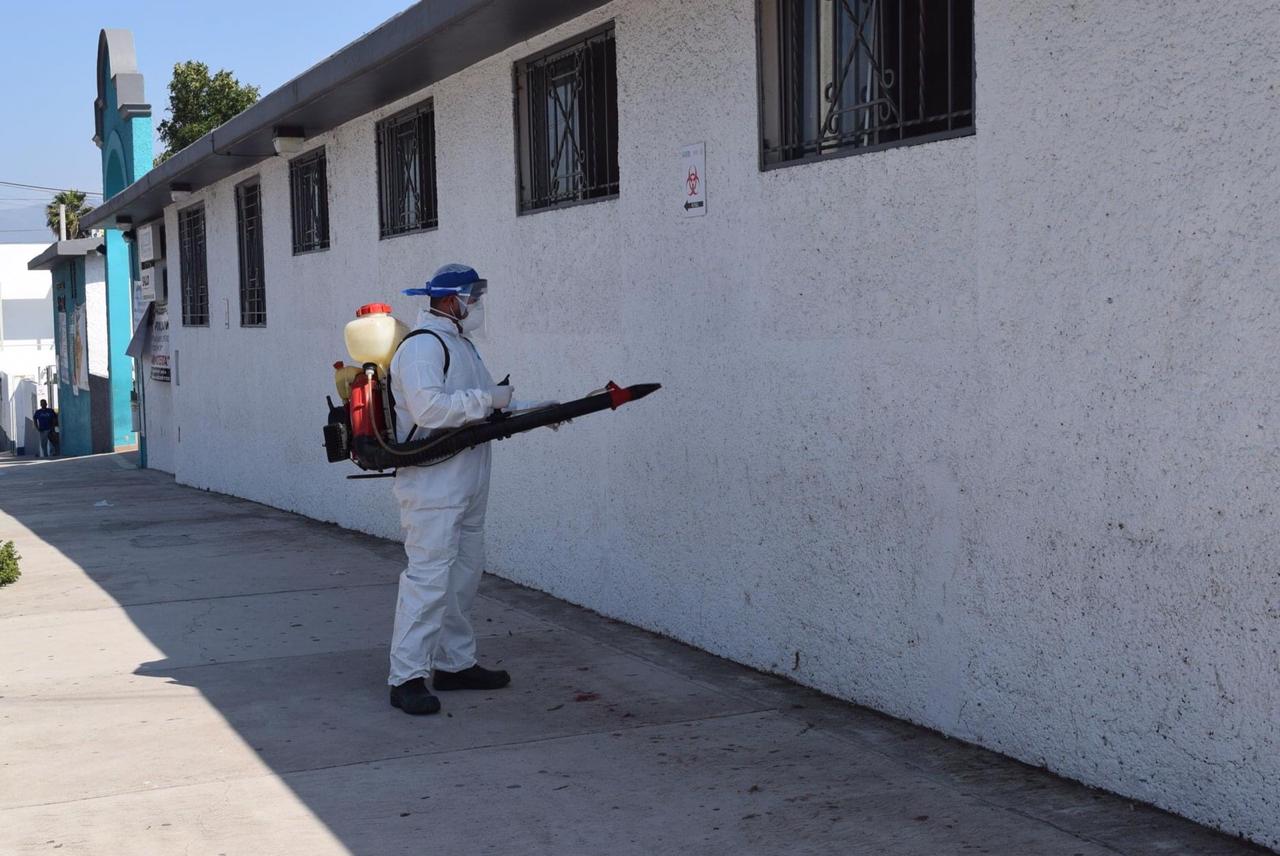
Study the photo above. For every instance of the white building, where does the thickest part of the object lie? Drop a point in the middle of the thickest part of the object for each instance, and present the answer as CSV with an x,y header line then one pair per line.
x,y
975,430
27,354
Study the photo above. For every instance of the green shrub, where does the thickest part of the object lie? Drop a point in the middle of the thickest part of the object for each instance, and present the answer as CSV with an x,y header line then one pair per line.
x,y
9,557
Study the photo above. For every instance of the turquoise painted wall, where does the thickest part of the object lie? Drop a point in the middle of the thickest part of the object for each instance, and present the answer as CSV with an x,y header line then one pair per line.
x,y
75,411
126,157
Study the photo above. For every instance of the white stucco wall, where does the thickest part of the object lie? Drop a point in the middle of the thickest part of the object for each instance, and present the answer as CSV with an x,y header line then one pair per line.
x,y
18,283
24,352
162,433
977,433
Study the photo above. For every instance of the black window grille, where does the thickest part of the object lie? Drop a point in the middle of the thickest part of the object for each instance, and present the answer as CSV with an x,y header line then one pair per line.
x,y
253,286
842,76
407,172
309,197
195,270
567,123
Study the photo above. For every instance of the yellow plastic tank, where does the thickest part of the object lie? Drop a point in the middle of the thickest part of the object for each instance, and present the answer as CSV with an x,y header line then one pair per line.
x,y
374,336
343,376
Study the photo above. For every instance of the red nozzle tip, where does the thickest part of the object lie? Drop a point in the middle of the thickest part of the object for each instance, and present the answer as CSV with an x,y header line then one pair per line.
x,y
618,395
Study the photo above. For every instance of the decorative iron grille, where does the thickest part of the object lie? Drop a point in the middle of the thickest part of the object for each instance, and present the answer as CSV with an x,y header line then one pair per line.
x,y
840,76
195,271
253,287
407,172
567,123
309,197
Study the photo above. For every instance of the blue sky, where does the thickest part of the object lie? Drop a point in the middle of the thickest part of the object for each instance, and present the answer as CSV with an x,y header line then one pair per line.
x,y
47,57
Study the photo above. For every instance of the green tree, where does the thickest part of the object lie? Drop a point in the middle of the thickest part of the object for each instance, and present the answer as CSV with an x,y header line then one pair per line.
x,y
76,209
198,103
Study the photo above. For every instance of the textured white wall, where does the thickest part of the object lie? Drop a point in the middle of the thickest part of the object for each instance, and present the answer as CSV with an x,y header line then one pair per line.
x,y
162,431
24,351
18,283
977,433
25,357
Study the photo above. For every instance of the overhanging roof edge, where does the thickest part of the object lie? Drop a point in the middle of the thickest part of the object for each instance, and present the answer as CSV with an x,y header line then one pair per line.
x,y
64,250
197,165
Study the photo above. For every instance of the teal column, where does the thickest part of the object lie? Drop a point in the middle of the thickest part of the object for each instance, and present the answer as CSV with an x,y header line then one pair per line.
x,y
119,331
126,157
140,137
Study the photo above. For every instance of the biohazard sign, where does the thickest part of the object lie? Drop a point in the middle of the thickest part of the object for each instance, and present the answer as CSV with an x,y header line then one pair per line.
x,y
693,180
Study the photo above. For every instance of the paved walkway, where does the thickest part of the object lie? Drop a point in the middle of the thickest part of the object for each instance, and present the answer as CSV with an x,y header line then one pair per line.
x,y
184,672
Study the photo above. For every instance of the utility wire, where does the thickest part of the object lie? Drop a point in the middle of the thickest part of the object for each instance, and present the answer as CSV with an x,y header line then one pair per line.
x,y
41,187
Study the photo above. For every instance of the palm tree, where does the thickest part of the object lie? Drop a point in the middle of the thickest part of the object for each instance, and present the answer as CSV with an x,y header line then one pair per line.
x,y
74,200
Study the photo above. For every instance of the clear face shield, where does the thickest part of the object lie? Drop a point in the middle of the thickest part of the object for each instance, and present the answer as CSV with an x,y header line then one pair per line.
x,y
472,303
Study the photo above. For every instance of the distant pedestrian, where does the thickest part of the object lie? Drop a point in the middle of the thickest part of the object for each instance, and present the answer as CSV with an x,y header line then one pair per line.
x,y
46,420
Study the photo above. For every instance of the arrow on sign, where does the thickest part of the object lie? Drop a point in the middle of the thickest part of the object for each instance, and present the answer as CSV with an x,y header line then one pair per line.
x,y
689,205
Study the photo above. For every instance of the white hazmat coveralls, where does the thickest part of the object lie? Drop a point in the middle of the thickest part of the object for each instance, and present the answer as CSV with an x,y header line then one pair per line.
x,y
442,507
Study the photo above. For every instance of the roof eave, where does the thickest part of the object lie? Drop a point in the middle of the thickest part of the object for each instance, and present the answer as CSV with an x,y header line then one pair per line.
x,y
59,250
399,57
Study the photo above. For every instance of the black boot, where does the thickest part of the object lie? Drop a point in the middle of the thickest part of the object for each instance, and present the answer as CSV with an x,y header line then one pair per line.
x,y
475,678
413,697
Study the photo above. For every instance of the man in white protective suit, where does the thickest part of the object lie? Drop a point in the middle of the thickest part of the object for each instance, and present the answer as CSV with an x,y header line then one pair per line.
x,y
439,381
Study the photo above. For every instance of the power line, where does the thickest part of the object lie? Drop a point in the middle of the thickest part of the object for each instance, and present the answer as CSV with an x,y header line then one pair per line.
x,y
51,189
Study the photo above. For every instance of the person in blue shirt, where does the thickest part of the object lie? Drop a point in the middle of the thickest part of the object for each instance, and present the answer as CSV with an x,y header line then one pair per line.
x,y
46,420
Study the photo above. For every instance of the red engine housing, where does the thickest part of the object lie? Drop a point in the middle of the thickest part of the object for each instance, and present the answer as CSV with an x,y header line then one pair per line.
x,y
367,420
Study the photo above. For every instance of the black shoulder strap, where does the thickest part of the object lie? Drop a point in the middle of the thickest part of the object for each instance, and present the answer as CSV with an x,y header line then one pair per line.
x,y
434,334
445,374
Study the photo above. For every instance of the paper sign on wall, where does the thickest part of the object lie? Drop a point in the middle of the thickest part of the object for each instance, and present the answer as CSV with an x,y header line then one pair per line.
x,y
80,319
693,179
147,285
146,244
160,344
64,364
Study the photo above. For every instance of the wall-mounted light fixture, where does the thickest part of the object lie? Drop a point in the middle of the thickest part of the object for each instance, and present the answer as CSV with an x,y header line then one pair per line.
x,y
179,192
287,140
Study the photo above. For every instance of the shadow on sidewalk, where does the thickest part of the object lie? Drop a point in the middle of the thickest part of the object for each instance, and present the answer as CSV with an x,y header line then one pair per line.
x,y
611,739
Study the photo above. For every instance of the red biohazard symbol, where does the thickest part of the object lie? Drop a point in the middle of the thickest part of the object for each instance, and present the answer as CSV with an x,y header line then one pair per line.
x,y
692,181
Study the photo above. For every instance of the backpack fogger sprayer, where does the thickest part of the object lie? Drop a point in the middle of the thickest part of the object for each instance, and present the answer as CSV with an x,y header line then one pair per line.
x,y
361,428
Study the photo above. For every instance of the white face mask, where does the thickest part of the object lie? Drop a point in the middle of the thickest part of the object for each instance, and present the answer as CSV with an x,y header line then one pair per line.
x,y
473,320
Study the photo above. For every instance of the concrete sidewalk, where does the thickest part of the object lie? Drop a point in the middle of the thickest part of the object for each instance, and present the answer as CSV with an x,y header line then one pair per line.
x,y
184,672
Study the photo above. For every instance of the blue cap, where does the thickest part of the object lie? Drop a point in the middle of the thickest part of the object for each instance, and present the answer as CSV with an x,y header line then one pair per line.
x,y
451,279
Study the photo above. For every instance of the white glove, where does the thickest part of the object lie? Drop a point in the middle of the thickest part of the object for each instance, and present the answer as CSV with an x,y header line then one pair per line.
x,y
501,396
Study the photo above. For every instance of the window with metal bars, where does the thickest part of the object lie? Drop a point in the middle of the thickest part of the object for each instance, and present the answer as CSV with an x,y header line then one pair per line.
x,y
848,76
567,123
195,271
309,202
406,146
253,285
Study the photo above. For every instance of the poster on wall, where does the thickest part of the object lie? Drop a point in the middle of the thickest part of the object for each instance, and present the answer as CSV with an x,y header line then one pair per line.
x,y
146,287
693,180
160,344
81,345
140,300
146,244
64,364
